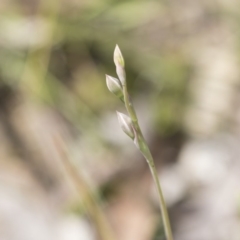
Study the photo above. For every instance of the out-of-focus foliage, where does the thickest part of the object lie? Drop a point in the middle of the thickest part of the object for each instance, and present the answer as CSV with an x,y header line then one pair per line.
x,y
77,38
182,64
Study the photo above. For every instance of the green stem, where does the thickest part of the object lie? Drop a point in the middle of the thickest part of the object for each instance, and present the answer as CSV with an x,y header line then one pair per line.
x,y
129,105
166,222
148,156
89,199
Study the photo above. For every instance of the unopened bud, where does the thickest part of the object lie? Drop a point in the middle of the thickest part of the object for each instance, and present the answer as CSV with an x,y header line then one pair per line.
x,y
118,57
136,142
126,124
119,62
114,86
121,74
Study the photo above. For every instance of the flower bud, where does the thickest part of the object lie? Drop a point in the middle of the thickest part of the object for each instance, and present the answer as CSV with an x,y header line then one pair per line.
x,y
121,74
118,57
114,86
126,124
119,62
136,142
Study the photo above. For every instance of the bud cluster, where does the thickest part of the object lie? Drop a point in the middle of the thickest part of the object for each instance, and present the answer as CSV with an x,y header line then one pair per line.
x,y
116,86
130,126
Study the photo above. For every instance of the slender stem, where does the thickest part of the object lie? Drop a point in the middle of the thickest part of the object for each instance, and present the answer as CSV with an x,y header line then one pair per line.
x,y
89,199
166,222
129,105
148,156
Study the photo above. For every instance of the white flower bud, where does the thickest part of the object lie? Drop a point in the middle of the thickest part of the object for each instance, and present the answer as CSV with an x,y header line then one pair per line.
x,y
121,74
126,124
118,57
136,142
119,62
114,86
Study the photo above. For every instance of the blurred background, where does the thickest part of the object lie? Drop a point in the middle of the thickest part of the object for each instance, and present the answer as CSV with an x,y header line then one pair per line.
x,y
67,172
